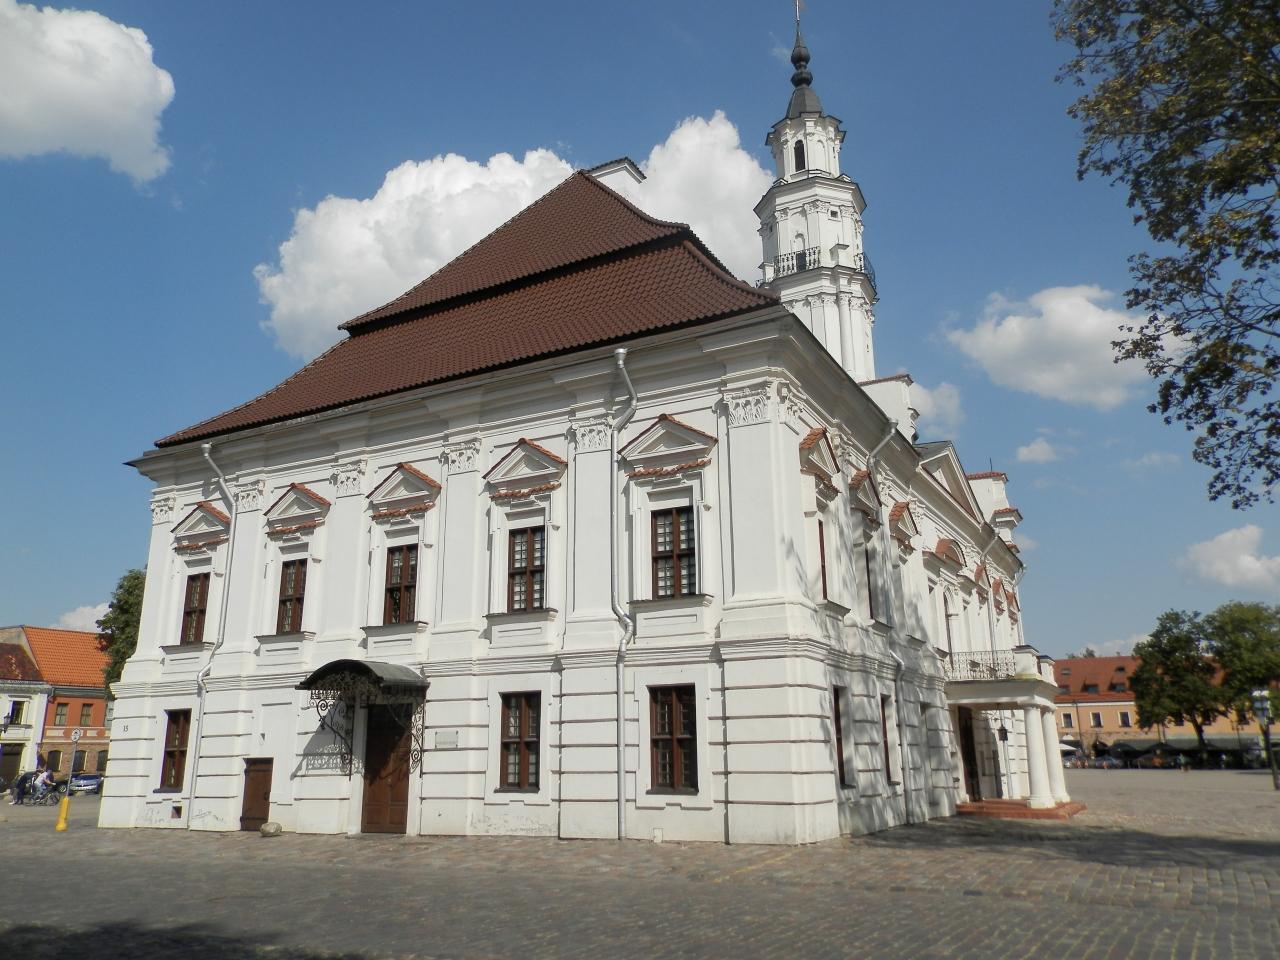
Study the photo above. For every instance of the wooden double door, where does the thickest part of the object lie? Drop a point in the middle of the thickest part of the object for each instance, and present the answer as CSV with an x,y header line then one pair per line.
x,y
386,774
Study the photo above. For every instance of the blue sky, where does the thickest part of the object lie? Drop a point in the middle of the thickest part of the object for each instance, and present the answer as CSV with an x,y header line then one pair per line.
x,y
130,305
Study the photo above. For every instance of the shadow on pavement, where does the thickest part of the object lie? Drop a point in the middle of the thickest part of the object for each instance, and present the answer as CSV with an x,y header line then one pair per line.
x,y
1111,846
127,941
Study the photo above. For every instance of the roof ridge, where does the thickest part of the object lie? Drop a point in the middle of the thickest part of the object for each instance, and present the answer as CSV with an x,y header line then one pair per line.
x,y
673,227
720,272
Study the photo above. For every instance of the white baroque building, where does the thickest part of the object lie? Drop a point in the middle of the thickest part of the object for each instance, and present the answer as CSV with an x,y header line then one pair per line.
x,y
583,537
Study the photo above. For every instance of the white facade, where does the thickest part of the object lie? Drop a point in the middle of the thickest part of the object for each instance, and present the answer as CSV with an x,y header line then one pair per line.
x,y
820,592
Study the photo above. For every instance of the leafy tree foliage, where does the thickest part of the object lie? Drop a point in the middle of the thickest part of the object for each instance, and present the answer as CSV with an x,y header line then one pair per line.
x,y
1184,109
118,628
1175,680
1244,639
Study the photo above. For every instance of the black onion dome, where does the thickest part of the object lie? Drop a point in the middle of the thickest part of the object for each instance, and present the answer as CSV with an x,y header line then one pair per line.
x,y
804,99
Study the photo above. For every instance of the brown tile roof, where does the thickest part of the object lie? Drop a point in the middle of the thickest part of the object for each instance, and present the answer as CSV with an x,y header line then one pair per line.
x,y
16,665
204,506
1079,672
898,510
526,443
67,657
858,479
578,220
409,469
812,437
1006,510
579,268
947,549
988,475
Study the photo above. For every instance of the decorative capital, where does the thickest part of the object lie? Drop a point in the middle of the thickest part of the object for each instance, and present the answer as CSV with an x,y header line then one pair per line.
x,y
162,508
462,457
249,495
748,406
347,478
591,434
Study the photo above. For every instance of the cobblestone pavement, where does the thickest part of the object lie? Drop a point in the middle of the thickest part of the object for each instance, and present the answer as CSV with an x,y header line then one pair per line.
x,y
1163,864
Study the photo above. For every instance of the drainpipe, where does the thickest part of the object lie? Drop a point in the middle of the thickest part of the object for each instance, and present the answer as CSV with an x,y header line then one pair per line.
x,y
202,678
624,618
903,757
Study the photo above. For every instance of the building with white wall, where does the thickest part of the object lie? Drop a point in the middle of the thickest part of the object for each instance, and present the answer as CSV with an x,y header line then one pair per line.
x,y
583,537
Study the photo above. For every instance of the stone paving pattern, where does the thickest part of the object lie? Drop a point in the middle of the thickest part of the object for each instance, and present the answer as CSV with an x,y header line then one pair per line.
x,y
1163,864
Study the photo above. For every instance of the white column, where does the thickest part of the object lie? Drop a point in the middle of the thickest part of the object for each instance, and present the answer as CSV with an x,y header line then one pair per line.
x,y
846,335
1036,766
1057,781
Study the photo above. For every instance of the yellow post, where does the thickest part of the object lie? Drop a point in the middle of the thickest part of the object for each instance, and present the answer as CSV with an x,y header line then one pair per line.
x,y
64,808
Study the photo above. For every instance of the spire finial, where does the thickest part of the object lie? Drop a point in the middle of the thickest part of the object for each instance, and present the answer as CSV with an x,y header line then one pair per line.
x,y
800,55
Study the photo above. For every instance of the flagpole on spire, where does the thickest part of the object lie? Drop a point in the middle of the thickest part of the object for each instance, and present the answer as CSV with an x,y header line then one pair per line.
x,y
799,4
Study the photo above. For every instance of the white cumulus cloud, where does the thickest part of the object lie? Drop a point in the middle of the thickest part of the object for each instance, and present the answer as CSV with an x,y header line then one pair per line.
x,y
940,410
74,81
1232,559
346,256
1038,450
1153,460
1055,345
83,618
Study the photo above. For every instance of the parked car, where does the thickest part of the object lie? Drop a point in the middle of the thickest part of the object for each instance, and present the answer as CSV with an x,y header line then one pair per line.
x,y
86,783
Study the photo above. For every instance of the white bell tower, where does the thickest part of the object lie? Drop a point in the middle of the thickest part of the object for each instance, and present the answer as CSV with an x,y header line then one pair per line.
x,y
811,228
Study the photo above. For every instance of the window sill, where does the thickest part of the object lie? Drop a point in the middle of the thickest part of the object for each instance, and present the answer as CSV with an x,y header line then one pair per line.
x,y
523,616
657,792
674,603
295,637
832,609
168,791
518,791
173,649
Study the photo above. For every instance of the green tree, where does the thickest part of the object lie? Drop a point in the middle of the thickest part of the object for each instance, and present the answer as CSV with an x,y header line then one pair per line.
x,y
118,628
1175,679
1244,639
1183,108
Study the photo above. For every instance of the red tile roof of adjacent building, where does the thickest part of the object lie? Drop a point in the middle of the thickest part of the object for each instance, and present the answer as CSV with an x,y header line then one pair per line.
x,y
581,267
1078,672
67,657
16,665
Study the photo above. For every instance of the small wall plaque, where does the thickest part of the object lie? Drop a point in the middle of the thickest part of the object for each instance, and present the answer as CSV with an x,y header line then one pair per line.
x,y
446,739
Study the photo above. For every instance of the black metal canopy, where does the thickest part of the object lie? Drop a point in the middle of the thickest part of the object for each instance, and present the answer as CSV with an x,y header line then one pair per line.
x,y
374,675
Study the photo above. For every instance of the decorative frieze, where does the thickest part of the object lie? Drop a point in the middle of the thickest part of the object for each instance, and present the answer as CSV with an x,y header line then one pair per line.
x,y
748,406
162,508
348,478
249,495
462,457
592,434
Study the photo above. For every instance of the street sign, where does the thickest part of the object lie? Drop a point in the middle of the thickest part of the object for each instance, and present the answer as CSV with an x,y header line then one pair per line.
x,y
75,735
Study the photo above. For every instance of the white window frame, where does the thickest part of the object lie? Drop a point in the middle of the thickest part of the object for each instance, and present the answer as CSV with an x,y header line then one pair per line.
x,y
541,684
647,494
701,678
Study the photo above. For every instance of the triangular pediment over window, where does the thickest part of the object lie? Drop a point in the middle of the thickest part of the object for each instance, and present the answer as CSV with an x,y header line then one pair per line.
x,y
980,577
404,482
296,508
526,464
817,454
902,525
863,495
204,522
668,442
942,464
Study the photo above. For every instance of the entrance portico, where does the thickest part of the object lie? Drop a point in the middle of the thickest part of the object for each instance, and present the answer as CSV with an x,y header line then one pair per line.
x,y
374,711
1005,700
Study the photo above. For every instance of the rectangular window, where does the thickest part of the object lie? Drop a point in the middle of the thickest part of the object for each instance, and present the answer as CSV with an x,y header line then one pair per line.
x,y
1095,719
1067,721
1125,720
822,557
884,736
17,709
526,569
837,694
102,760
402,580
60,714
194,602
520,713
1090,688
54,760
1117,687
77,762
674,553
673,739
871,583
86,714
175,748
293,587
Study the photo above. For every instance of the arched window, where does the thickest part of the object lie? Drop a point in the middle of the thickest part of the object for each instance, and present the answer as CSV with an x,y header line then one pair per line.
x,y
798,153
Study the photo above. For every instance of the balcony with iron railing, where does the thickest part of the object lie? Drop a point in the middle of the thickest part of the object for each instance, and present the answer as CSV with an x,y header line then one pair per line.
x,y
810,258
981,665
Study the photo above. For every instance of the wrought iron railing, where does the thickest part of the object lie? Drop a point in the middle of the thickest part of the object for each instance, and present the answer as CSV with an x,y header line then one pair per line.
x,y
799,261
786,264
981,665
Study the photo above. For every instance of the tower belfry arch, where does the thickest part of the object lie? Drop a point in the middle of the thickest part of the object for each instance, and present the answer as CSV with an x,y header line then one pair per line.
x,y
811,226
